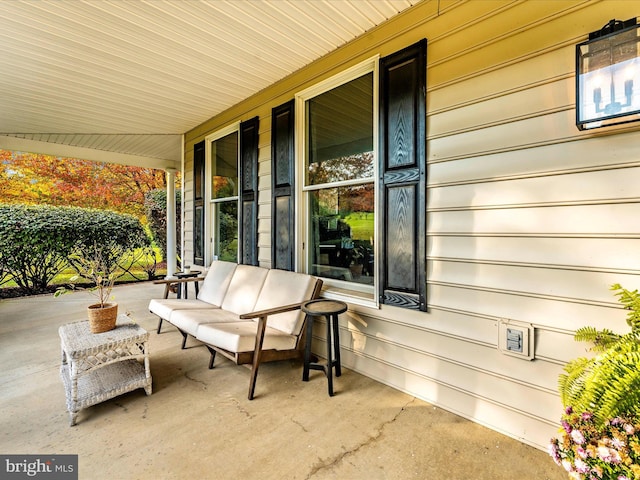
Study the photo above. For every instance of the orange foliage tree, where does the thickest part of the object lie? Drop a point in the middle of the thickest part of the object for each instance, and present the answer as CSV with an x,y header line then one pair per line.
x,y
44,179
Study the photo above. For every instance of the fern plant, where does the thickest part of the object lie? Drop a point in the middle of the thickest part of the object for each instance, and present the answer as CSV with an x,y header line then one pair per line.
x,y
607,385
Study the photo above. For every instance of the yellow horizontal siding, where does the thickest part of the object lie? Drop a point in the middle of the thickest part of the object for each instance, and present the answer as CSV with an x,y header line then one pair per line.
x,y
528,218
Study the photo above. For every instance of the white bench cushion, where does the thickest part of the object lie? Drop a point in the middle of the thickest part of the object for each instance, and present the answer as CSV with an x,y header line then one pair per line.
x,y
241,337
216,282
164,307
189,320
244,289
283,288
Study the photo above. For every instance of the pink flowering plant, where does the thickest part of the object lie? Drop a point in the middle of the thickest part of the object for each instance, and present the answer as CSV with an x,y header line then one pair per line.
x,y
590,451
600,428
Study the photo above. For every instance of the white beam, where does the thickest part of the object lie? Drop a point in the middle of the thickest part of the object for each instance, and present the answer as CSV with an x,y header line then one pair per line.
x,y
171,222
84,153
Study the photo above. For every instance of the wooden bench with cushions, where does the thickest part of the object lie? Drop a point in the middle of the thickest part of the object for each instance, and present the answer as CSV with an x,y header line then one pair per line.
x,y
247,314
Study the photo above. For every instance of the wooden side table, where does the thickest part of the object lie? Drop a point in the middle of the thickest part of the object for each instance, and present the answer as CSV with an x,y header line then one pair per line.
x,y
100,366
181,286
330,309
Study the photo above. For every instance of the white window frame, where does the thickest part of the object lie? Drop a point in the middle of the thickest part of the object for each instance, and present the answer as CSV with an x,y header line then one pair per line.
x,y
352,292
208,234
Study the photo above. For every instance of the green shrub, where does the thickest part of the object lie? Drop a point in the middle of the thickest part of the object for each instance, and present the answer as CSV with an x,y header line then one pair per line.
x,y
5,276
37,241
34,244
112,236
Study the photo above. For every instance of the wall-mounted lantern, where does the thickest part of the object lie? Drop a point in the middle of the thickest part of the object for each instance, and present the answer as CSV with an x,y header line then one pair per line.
x,y
608,76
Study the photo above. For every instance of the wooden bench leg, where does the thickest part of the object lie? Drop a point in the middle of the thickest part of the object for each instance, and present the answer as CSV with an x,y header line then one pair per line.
x,y
166,295
213,356
184,338
257,353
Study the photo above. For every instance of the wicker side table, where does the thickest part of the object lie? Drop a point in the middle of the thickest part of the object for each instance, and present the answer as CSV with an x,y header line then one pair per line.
x,y
100,366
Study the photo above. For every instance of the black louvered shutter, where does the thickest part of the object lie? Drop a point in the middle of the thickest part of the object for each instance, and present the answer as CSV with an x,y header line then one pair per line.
x,y
198,203
248,235
282,187
402,181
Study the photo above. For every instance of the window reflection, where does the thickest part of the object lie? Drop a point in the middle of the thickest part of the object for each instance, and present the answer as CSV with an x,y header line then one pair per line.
x,y
342,221
342,168
340,133
224,167
224,196
226,230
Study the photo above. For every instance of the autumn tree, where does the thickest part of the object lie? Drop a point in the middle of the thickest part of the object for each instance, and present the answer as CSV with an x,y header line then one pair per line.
x,y
43,179
14,186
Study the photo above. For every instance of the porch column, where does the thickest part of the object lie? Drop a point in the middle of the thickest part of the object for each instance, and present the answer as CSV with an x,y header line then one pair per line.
x,y
171,222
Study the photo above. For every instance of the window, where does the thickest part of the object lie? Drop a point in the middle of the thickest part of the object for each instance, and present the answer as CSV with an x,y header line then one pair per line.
x,y
362,149
339,179
230,192
223,189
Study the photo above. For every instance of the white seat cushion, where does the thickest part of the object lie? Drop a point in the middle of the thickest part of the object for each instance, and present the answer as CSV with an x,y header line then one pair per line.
x,y
164,307
216,282
244,289
241,337
283,288
189,320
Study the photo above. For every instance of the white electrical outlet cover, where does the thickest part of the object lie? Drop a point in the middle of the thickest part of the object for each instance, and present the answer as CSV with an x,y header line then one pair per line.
x,y
527,335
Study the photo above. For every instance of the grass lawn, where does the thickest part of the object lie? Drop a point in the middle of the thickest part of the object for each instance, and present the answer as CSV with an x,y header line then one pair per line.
x,y
361,224
138,273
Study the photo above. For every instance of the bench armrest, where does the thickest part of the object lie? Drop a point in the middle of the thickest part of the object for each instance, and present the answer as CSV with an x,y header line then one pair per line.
x,y
271,311
167,282
178,280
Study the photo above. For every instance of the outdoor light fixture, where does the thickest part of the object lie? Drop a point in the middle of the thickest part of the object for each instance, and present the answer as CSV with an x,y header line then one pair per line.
x,y
608,76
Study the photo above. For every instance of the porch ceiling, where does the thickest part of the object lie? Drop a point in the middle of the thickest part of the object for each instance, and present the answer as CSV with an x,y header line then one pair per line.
x,y
122,80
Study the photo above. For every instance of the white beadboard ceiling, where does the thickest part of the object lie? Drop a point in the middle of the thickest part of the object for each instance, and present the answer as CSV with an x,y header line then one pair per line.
x,y
128,77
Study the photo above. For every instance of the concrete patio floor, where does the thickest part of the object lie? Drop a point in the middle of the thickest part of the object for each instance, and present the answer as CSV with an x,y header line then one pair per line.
x,y
198,423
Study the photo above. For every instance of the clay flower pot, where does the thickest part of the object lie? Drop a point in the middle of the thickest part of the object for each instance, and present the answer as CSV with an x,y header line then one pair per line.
x,y
102,318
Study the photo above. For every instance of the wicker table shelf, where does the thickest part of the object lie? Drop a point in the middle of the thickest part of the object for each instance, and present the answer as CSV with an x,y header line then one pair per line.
x,y
100,366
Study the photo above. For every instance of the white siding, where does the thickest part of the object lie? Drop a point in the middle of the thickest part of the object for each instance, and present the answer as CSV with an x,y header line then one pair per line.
x,y
528,218
264,193
187,198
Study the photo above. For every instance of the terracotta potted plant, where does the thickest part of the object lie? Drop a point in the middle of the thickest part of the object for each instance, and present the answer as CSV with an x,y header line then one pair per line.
x,y
100,267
